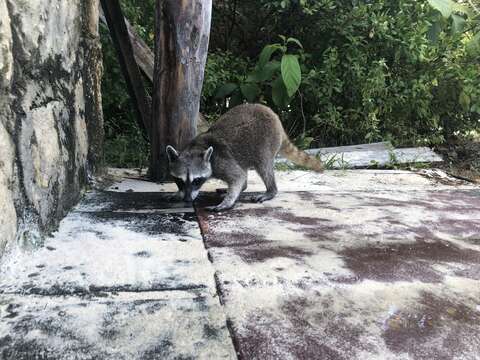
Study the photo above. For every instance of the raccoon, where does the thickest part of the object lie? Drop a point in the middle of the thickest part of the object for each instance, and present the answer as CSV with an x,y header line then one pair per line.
x,y
247,136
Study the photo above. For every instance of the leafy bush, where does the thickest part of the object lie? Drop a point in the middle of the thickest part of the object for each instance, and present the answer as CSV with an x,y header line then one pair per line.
x,y
403,70
282,77
380,71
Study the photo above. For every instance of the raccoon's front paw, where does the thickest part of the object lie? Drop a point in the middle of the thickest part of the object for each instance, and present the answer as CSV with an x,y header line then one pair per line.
x,y
261,198
218,208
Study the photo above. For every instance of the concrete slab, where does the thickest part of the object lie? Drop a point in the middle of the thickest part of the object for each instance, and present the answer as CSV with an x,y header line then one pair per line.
x,y
124,277
127,201
149,325
384,145
330,180
386,269
341,265
368,155
112,252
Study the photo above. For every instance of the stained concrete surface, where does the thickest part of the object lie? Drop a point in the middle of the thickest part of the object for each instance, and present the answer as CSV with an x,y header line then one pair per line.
x,y
344,265
352,265
120,279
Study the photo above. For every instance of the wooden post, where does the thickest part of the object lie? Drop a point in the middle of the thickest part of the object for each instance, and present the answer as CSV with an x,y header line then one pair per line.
x,y
133,78
182,32
92,86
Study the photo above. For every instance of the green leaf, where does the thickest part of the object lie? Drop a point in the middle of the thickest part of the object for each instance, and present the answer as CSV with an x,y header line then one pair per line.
x,y
250,91
279,93
269,69
291,73
458,23
225,90
267,53
296,41
446,7
264,74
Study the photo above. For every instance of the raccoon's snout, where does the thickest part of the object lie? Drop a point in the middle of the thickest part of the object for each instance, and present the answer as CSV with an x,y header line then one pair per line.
x,y
190,195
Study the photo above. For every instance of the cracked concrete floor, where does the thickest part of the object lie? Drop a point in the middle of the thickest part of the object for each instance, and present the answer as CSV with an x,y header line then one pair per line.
x,y
344,265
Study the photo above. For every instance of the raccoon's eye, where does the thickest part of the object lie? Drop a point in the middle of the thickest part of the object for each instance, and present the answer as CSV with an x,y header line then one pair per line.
x,y
198,181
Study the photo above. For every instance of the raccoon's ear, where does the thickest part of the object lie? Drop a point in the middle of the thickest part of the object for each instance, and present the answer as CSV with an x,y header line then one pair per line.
x,y
208,154
171,153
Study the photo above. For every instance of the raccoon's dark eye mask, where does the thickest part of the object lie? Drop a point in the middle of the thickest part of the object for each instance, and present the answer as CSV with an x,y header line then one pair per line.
x,y
195,183
179,182
199,181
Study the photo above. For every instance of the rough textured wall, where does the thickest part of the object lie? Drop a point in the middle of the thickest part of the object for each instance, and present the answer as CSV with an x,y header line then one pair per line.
x,y
49,111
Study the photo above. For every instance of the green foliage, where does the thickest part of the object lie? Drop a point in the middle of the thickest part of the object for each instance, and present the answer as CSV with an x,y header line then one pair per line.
x,y
273,81
373,72
360,71
125,145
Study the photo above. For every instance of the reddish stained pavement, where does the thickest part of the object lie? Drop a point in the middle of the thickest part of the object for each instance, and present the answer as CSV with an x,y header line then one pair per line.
x,y
385,270
344,265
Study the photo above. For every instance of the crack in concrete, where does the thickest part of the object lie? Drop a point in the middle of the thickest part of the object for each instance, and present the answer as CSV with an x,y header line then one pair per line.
x,y
100,291
218,290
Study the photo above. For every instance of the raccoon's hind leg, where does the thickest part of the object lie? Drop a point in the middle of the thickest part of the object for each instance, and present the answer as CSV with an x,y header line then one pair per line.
x,y
265,170
236,180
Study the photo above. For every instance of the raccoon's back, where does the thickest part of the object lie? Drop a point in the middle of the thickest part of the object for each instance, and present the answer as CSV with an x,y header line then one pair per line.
x,y
247,118
249,131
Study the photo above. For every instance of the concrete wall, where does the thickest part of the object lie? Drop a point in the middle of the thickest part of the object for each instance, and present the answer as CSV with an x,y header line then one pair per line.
x,y
50,68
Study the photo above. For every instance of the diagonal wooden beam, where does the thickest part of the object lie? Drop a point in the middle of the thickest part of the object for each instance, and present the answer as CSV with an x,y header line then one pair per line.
x,y
142,52
144,58
121,40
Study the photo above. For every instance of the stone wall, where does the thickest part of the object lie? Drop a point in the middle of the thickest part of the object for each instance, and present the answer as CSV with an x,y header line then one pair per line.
x,y
50,112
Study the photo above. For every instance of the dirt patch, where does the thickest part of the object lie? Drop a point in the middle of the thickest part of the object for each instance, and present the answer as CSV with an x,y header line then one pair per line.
x,y
462,159
302,327
437,329
265,337
250,246
408,262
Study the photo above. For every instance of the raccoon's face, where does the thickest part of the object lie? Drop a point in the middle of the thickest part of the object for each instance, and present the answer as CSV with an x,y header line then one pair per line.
x,y
190,170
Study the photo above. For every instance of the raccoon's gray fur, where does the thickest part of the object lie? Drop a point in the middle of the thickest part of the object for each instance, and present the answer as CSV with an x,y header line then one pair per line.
x,y
248,136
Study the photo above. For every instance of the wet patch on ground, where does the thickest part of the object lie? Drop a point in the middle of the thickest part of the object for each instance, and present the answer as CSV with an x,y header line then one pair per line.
x,y
98,201
150,224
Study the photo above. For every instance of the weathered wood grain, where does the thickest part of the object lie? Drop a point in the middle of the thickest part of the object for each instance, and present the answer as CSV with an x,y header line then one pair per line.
x,y
131,72
182,33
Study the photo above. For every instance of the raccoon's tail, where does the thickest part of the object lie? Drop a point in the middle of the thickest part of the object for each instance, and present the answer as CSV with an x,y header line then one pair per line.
x,y
299,157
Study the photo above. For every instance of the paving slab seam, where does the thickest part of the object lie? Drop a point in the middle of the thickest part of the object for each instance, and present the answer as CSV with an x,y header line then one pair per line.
x,y
136,211
229,323
98,291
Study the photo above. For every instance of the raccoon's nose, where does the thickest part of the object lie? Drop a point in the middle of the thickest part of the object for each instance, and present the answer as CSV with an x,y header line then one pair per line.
x,y
188,197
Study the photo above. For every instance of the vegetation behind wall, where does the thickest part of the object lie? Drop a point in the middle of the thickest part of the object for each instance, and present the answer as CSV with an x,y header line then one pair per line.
x,y
338,72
